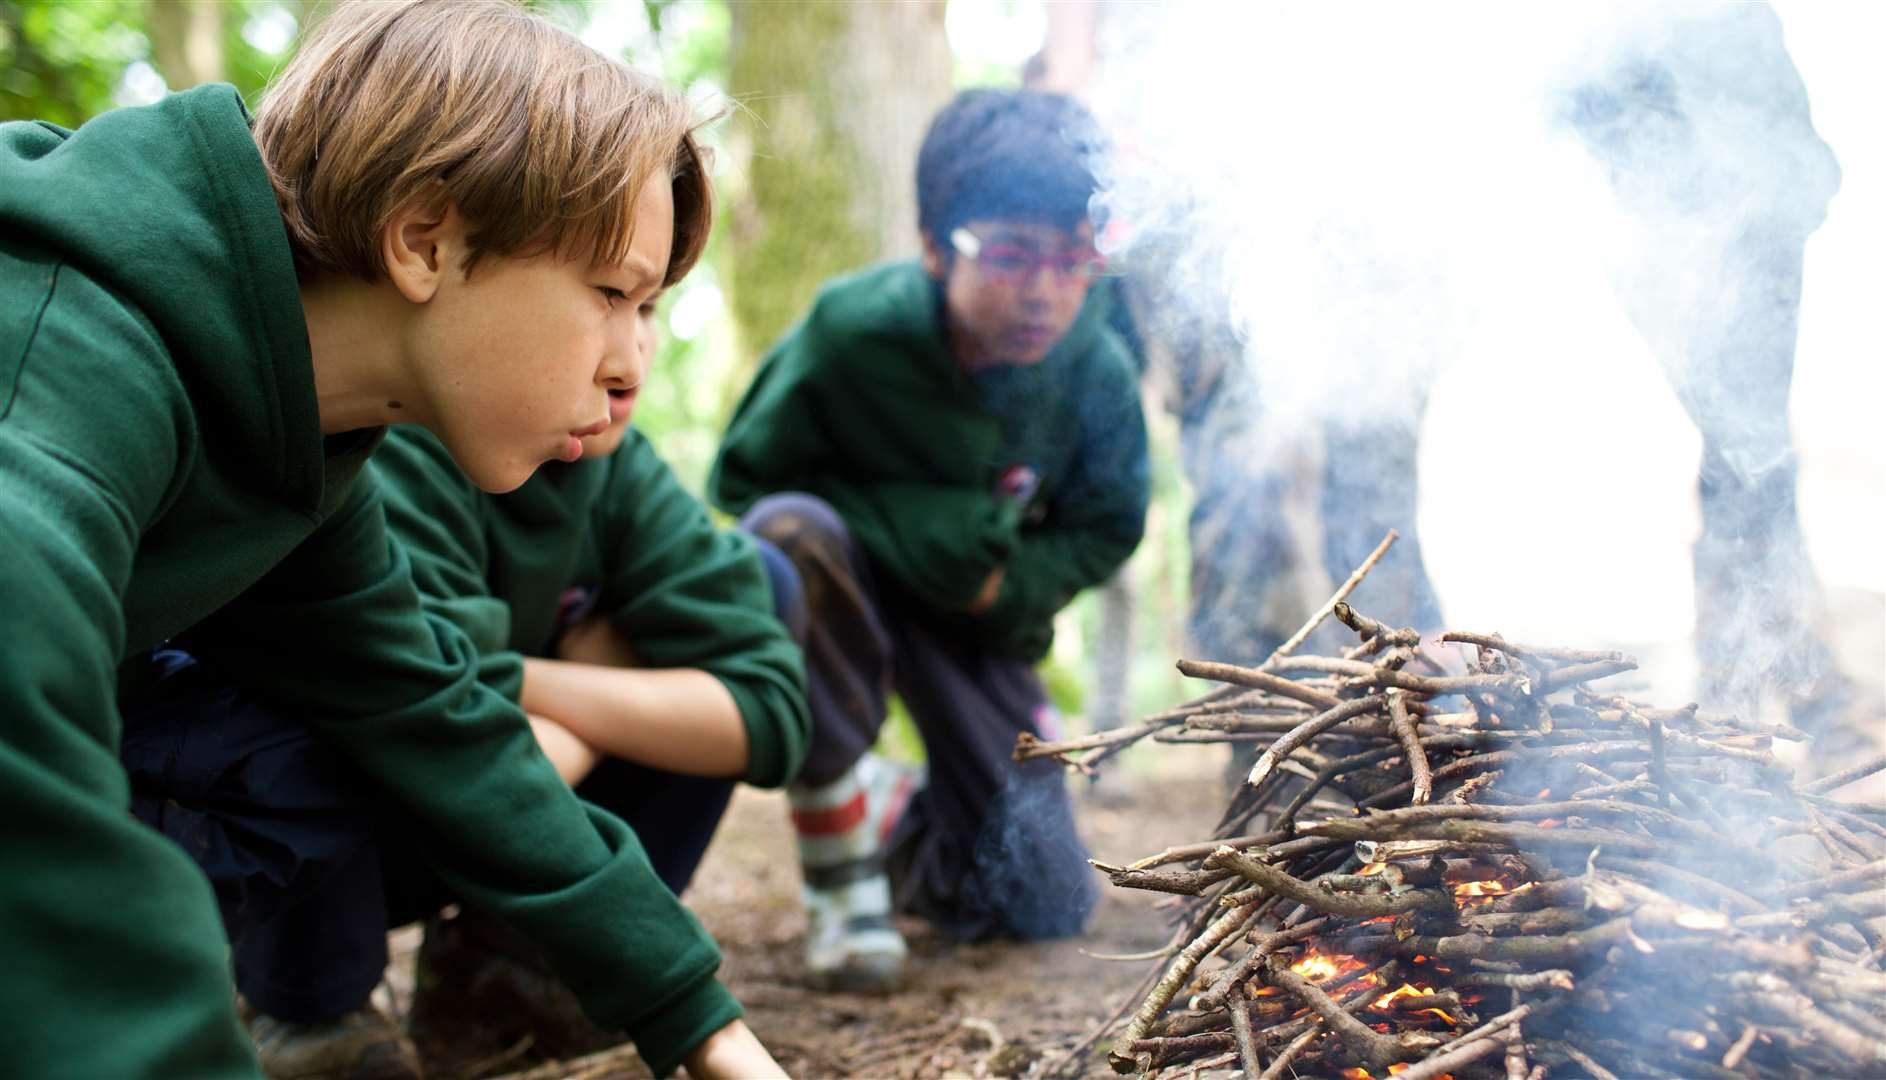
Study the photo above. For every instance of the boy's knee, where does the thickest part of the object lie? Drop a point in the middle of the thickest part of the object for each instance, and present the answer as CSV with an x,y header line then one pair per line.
x,y
794,522
789,603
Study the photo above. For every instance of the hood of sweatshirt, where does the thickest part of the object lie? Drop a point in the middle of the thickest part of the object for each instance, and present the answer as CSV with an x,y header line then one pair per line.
x,y
170,206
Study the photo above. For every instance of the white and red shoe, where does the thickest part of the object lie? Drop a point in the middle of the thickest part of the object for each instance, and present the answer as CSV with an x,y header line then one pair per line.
x,y
843,829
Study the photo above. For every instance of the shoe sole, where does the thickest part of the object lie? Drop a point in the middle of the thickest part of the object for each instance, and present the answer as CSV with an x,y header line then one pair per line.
x,y
857,981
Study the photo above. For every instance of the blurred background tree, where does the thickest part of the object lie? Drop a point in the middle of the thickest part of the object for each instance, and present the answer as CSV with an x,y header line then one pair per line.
x,y
835,99
64,61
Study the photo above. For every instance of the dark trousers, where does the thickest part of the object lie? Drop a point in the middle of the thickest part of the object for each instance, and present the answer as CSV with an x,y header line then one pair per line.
x,y
988,847
310,867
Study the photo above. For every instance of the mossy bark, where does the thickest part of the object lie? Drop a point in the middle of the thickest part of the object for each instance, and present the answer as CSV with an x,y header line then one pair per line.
x,y
834,98
187,40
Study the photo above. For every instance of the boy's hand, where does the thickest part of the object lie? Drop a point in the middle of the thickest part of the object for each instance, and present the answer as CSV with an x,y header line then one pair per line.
x,y
732,1053
991,589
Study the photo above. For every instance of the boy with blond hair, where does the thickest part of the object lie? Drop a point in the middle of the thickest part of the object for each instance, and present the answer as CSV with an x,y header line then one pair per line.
x,y
650,649
442,213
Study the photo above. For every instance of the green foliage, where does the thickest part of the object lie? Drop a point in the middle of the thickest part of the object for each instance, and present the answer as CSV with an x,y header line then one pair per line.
x,y
248,67
63,61
66,61
1066,685
899,739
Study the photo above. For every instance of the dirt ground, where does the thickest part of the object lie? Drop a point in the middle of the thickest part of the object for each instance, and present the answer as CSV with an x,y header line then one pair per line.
x,y
967,1010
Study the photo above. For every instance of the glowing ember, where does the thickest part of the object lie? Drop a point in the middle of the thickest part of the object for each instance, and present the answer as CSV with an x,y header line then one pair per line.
x,y
1372,868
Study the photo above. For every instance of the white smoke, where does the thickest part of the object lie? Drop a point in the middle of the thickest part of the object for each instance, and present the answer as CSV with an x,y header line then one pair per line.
x,y
1374,193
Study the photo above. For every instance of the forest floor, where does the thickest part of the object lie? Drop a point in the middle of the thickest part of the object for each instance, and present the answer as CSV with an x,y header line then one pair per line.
x,y
989,1009
983,1010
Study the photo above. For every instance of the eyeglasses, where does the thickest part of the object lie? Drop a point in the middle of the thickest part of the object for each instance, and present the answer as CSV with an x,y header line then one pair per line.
x,y
1014,264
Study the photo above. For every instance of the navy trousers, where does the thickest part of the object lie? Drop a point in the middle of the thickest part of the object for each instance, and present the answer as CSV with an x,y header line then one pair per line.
x,y
988,847
310,868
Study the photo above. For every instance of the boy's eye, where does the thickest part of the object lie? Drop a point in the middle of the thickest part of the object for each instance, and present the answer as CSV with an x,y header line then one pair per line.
x,y
612,294
1006,260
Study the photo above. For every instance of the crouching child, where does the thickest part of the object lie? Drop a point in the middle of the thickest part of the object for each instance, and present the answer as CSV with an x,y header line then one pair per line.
x,y
949,451
651,652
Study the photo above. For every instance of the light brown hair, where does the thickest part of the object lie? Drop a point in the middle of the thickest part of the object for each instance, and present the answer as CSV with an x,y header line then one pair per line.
x,y
540,141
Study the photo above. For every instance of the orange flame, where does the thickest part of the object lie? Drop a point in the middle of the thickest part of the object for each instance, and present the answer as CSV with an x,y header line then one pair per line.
x,y
1319,966
1387,1001
1476,893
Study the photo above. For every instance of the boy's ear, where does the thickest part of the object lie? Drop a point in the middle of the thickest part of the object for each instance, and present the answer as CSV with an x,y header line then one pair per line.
x,y
935,263
421,244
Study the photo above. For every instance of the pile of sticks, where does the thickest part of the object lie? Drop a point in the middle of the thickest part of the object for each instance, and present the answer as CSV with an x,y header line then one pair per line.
x,y
1501,872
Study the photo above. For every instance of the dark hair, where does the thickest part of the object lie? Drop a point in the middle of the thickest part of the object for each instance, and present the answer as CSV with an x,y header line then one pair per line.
x,y
1010,155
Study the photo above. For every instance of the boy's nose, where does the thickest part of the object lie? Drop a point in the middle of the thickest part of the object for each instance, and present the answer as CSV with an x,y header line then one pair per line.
x,y
626,362
1038,286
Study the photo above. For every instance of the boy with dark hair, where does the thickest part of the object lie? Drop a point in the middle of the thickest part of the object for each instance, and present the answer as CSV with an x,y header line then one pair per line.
x,y
948,451
205,324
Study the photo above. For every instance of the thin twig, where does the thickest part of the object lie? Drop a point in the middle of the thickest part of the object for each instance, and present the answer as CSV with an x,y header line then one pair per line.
x,y
1297,1045
1410,737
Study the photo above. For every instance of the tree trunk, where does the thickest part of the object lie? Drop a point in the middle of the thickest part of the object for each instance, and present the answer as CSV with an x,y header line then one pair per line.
x,y
835,99
187,41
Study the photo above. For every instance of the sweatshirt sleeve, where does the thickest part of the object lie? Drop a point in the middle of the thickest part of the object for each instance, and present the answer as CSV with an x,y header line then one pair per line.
x,y
116,963
688,594
1094,520
436,515
337,631
937,543
812,422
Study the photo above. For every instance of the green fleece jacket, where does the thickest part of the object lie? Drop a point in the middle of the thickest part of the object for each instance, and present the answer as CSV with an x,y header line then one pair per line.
x,y
624,531
162,470
1038,469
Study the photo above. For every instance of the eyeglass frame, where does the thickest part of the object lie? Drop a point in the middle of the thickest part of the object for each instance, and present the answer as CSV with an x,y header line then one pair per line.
x,y
1091,263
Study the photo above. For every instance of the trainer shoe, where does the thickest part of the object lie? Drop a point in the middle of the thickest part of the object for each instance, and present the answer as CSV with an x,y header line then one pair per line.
x,y
362,1045
843,828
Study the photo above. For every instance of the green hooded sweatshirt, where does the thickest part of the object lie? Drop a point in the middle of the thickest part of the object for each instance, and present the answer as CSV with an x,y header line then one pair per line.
x,y
1040,469
685,593
162,470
